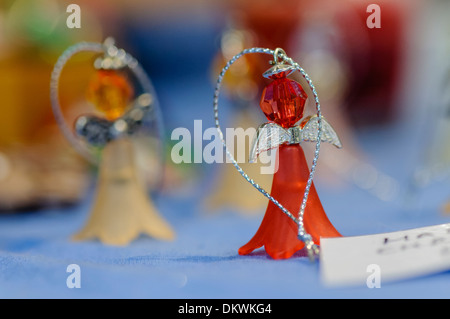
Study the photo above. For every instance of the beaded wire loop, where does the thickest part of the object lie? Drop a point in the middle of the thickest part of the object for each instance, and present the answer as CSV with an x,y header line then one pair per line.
x,y
118,59
278,54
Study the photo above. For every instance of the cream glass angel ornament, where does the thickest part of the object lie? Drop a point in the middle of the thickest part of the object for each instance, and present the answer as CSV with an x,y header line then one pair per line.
x,y
122,209
241,90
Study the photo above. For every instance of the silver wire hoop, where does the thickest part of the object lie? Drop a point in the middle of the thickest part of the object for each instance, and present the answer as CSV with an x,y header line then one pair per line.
x,y
312,248
132,64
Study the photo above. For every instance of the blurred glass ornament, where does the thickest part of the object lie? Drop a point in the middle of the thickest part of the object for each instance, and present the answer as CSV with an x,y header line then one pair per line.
x,y
239,84
446,207
371,57
124,124
32,32
266,24
271,23
329,39
431,109
241,89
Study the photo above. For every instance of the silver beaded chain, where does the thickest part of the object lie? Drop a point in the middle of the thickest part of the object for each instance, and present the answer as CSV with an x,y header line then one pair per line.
x,y
312,248
128,61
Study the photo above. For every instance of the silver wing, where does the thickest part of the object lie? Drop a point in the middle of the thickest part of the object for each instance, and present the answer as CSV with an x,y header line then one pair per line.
x,y
268,136
309,131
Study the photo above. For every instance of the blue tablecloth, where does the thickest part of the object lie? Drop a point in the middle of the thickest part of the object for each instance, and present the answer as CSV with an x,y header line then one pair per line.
x,y
35,250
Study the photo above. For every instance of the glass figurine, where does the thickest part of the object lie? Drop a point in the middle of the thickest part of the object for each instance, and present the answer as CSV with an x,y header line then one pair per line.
x,y
241,90
291,221
125,117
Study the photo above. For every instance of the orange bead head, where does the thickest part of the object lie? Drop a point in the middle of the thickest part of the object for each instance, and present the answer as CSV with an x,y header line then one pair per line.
x,y
110,92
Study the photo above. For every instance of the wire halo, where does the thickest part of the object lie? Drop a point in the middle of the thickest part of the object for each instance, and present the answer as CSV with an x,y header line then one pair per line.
x,y
133,65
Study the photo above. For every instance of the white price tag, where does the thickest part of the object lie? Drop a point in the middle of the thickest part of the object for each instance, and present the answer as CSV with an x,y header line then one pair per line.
x,y
373,259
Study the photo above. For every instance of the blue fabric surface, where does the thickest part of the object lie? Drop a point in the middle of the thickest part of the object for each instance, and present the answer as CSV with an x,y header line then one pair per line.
x,y
35,250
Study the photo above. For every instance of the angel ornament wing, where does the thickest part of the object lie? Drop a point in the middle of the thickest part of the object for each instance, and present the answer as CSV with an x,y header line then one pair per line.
x,y
271,135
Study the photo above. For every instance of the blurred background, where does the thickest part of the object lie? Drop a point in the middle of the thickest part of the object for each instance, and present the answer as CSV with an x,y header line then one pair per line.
x,y
385,90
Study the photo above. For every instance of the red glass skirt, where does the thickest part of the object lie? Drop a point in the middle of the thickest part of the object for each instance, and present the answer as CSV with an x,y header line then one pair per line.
x,y
277,232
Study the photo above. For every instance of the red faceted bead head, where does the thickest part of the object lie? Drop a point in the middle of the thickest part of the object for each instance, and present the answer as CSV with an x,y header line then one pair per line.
x,y
283,100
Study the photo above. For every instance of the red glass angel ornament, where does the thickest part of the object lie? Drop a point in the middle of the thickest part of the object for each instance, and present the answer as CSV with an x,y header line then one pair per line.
x,y
295,216
283,102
